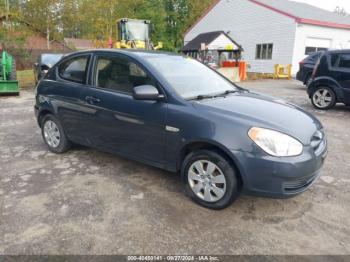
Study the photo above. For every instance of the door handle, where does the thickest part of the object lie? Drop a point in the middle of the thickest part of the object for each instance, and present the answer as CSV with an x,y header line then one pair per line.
x,y
92,99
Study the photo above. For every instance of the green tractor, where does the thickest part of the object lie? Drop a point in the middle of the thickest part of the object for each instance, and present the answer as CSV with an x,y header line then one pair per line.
x,y
8,79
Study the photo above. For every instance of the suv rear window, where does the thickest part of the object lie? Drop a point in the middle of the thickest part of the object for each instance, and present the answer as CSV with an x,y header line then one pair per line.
x,y
314,57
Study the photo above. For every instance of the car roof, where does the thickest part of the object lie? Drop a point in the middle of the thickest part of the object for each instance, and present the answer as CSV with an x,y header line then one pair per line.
x,y
132,52
338,51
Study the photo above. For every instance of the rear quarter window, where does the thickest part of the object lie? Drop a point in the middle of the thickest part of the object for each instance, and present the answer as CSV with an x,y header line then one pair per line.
x,y
341,61
344,61
334,60
74,70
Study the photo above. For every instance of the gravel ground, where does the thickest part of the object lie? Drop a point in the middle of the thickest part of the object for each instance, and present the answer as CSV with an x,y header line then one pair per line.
x,y
90,202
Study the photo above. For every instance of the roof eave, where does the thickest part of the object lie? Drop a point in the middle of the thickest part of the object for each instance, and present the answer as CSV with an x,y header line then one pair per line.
x,y
322,23
297,19
303,20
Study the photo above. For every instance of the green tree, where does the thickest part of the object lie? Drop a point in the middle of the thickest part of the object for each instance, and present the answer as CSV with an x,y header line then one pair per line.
x,y
97,19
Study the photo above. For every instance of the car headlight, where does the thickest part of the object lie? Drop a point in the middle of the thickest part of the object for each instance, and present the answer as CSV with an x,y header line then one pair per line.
x,y
275,143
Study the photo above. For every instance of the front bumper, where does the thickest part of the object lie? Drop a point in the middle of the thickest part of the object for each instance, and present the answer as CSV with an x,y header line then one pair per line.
x,y
280,177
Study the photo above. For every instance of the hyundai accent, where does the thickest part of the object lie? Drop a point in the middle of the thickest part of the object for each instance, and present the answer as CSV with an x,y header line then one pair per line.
x,y
175,113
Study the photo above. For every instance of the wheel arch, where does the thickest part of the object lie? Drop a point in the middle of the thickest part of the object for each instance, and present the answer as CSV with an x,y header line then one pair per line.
x,y
43,113
307,75
213,146
327,82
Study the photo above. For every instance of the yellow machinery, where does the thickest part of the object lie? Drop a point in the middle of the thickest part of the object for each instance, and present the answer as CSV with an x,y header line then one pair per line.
x,y
135,33
283,71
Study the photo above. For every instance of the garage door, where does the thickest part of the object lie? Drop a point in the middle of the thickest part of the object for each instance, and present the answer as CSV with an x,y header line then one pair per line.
x,y
313,44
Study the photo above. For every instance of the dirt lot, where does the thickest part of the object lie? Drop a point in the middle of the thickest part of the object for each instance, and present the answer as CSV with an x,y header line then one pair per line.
x,y
89,202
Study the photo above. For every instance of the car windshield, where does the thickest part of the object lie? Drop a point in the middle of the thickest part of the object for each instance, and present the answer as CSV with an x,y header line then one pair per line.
x,y
190,78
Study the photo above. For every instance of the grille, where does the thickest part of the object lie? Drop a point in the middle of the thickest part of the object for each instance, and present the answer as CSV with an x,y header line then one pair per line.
x,y
298,184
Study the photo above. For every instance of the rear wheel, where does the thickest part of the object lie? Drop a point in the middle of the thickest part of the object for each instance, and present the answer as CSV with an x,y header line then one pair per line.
x,y
210,180
53,135
323,98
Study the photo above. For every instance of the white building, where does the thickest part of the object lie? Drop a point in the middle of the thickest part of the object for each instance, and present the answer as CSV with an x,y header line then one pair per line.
x,y
274,31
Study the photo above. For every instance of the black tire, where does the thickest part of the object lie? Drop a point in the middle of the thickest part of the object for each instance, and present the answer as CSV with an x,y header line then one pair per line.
x,y
229,172
64,144
332,96
13,74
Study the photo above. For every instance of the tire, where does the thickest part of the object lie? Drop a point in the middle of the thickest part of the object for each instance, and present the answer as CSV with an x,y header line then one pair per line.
x,y
50,139
323,98
224,194
13,74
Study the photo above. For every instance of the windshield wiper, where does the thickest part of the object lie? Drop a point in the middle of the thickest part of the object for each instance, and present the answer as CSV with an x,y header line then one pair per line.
x,y
227,92
201,97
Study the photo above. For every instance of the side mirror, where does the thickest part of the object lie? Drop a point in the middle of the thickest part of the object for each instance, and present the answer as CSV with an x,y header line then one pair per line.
x,y
146,92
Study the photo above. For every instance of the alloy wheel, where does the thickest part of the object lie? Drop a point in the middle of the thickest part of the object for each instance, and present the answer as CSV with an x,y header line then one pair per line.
x,y
207,180
52,134
322,98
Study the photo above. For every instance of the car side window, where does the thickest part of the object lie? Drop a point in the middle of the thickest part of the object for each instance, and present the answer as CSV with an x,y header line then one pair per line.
x,y
344,61
120,74
74,70
334,60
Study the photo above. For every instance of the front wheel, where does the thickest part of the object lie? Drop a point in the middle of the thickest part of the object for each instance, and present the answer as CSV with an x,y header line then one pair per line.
x,y
53,135
210,180
323,98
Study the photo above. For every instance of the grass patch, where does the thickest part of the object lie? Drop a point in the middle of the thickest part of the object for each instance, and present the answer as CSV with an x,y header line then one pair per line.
x,y
26,78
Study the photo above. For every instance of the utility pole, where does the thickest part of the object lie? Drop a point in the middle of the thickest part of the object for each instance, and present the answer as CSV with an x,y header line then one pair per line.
x,y
7,8
7,14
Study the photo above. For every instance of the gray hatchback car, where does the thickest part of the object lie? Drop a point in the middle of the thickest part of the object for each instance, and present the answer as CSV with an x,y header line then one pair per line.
x,y
177,114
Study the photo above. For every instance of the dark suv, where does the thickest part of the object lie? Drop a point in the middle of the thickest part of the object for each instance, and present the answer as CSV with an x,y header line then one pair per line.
x,y
176,113
331,80
306,67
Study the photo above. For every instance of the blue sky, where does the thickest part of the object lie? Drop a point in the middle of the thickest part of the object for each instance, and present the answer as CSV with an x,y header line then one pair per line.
x,y
328,4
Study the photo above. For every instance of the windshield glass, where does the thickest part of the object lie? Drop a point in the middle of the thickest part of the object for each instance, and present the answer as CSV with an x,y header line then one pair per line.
x,y
189,77
136,30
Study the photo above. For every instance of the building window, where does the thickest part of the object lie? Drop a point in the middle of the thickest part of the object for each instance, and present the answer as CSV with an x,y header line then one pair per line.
x,y
264,51
312,49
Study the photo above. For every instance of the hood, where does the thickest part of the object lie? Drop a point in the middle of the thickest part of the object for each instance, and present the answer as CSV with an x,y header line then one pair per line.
x,y
258,110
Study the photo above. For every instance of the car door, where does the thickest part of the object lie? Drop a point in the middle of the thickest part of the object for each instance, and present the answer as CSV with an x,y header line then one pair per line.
x,y
343,75
118,122
66,94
